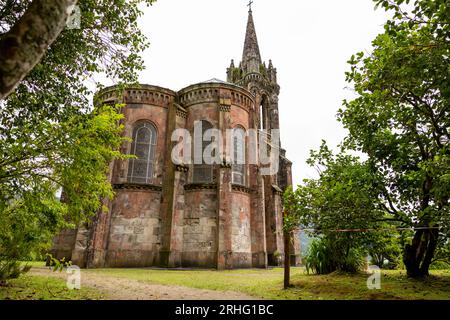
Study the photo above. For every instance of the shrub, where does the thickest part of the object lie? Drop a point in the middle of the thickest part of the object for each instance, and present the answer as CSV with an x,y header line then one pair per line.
x,y
24,233
326,255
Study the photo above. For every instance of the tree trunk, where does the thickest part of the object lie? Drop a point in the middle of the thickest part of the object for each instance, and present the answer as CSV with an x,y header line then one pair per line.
x,y
419,254
287,259
22,47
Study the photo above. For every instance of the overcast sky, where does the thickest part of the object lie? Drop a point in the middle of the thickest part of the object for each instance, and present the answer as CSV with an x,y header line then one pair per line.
x,y
309,42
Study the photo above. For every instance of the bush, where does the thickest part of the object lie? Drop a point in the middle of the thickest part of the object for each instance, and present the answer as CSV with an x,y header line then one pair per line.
x,y
319,258
326,255
384,247
439,265
24,233
11,269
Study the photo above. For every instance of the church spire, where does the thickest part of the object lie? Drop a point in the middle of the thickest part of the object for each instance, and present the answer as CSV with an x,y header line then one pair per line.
x,y
251,58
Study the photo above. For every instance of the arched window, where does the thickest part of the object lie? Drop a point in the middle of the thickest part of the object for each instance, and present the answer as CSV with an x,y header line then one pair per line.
x,y
140,170
263,113
261,117
203,172
238,166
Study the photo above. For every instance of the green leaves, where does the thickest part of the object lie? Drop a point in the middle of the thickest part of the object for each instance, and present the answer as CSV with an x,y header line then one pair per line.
x,y
401,121
51,136
401,117
77,161
343,197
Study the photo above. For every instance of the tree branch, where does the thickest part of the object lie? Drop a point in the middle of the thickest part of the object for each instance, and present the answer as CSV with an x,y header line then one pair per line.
x,y
22,47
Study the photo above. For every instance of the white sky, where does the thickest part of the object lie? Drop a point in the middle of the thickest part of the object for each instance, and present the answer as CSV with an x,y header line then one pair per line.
x,y
309,42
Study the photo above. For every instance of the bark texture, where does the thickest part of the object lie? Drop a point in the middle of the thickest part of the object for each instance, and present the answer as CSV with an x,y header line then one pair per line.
x,y
25,44
418,255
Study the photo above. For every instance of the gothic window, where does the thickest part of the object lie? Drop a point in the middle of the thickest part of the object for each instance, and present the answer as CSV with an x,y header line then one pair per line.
x,y
263,125
238,166
261,117
140,170
203,172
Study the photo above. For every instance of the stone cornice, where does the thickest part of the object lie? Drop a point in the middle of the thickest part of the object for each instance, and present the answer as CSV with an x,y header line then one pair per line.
x,y
224,108
181,168
216,93
140,94
135,186
240,188
200,186
225,165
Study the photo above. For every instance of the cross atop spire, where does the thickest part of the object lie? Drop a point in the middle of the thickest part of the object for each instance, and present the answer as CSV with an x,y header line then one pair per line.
x,y
251,57
250,6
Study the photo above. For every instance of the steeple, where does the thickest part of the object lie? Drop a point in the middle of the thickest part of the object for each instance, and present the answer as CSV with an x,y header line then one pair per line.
x,y
251,63
251,57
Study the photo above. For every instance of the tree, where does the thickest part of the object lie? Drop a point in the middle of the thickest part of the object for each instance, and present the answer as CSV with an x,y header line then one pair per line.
x,y
78,162
401,120
287,235
52,137
339,202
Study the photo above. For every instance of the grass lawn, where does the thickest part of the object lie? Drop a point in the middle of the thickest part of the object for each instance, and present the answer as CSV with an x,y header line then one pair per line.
x,y
28,287
268,283
261,283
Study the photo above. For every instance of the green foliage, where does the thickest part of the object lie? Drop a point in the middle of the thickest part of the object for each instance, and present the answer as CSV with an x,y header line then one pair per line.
x,y
263,69
31,214
237,73
442,257
33,287
326,256
11,269
384,246
319,257
341,199
401,120
57,264
51,136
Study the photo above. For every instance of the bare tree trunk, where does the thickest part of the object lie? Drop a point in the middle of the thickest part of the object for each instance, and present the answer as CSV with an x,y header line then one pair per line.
x,y
22,47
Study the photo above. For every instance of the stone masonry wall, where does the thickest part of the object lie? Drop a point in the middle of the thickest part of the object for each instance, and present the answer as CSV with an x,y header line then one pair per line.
x,y
134,237
200,228
240,230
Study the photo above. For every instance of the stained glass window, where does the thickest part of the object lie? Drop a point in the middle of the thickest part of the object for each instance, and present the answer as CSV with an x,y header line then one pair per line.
x,y
203,172
238,166
140,170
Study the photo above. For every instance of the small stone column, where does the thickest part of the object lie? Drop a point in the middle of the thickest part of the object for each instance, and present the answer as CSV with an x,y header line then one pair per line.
x,y
173,194
224,223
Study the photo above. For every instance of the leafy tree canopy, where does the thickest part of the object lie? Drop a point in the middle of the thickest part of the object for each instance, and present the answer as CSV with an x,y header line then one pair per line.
x,y
401,121
51,137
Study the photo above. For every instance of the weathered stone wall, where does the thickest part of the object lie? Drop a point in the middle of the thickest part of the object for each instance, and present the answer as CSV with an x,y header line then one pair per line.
x,y
240,230
179,208
135,236
79,253
200,228
63,244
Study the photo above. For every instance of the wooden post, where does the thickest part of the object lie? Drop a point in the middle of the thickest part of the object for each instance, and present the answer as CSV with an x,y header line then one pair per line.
x,y
287,260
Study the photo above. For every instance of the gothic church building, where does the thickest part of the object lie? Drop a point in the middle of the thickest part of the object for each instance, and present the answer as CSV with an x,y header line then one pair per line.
x,y
210,216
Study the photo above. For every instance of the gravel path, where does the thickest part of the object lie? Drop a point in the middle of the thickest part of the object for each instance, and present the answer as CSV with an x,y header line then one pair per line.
x,y
115,288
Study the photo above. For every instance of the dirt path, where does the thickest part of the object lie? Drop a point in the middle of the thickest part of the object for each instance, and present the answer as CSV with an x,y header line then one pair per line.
x,y
116,288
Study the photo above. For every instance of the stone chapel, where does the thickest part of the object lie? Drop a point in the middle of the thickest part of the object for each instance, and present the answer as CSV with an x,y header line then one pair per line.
x,y
197,215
